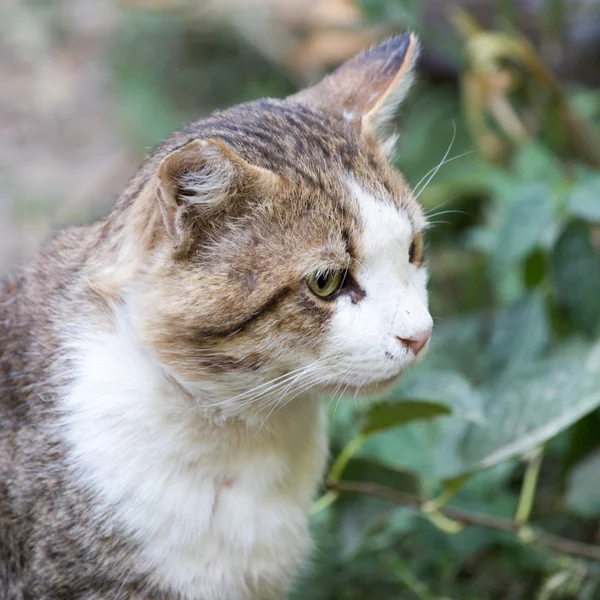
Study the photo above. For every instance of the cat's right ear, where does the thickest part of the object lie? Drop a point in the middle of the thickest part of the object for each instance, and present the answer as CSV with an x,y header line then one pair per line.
x,y
201,180
368,88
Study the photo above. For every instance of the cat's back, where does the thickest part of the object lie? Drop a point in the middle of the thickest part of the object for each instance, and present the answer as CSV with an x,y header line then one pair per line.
x,y
28,345
15,416
41,513
15,371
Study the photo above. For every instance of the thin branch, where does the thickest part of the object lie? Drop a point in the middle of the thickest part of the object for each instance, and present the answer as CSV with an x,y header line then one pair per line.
x,y
553,542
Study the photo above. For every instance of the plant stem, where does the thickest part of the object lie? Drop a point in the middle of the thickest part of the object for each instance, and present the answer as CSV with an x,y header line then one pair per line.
x,y
409,580
540,537
344,457
529,486
337,470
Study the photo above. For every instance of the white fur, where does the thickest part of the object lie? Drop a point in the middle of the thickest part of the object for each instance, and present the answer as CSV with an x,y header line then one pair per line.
x,y
388,145
395,303
219,511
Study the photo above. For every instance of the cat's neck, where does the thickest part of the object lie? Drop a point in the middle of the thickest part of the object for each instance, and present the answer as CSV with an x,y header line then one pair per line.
x,y
181,480
112,362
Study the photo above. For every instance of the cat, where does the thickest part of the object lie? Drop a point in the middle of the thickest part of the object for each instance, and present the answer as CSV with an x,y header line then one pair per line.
x,y
161,434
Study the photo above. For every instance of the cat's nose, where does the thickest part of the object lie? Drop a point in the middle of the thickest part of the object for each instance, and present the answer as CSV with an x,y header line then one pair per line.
x,y
417,341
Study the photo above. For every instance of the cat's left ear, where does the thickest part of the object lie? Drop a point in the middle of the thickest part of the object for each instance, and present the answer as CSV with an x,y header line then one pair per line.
x,y
202,180
369,87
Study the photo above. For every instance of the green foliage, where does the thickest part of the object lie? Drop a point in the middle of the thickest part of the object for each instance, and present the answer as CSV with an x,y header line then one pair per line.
x,y
576,270
514,364
383,416
584,202
583,496
528,409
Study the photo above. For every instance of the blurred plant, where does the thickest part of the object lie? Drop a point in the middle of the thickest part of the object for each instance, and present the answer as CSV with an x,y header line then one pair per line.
x,y
502,66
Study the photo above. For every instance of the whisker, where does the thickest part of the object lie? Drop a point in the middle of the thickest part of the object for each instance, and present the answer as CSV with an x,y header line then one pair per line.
x,y
440,164
258,392
302,390
427,213
312,369
446,212
354,259
439,222
285,376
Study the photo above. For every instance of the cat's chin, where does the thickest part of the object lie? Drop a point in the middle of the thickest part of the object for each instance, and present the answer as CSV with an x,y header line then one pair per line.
x,y
375,388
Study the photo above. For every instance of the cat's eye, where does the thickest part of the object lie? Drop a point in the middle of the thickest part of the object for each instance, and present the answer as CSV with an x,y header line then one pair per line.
x,y
325,284
415,252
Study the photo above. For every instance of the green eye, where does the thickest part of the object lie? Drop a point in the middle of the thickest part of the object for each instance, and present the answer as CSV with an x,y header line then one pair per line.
x,y
326,284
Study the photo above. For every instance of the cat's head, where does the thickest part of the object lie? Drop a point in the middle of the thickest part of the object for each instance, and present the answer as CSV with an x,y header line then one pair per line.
x,y
283,246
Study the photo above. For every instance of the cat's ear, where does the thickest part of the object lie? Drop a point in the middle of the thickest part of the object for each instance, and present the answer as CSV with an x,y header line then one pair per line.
x,y
202,179
368,88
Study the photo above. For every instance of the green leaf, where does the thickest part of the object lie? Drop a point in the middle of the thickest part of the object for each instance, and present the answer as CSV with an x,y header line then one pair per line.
x,y
457,345
519,335
583,493
535,269
533,163
428,448
368,469
525,222
383,415
584,202
524,411
576,270
442,387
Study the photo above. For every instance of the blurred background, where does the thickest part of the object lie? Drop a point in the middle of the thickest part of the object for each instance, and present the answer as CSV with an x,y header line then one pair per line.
x,y
502,419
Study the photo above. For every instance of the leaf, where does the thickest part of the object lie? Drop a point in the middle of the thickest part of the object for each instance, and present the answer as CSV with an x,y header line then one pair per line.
x,y
457,345
576,271
533,163
415,401
383,415
428,448
583,492
366,469
525,222
525,411
584,202
444,387
593,359
535,269
519,335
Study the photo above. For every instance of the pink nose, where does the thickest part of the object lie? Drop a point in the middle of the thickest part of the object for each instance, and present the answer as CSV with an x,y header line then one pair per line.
x,y
417,341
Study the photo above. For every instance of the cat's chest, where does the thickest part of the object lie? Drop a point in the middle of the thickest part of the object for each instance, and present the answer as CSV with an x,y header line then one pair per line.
x,y
215,512
208,527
